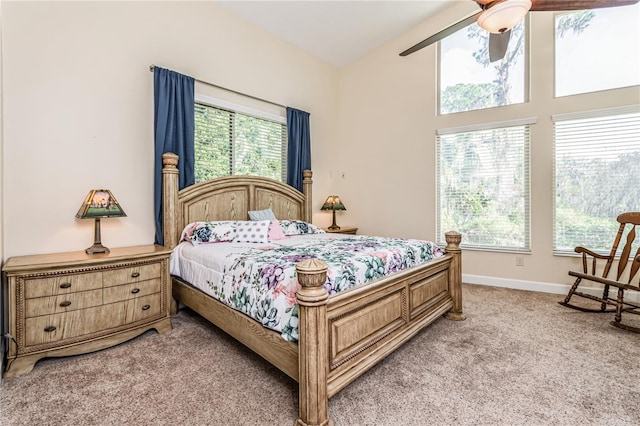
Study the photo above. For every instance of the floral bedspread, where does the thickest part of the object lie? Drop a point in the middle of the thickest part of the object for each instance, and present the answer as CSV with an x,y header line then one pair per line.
x,y
260,280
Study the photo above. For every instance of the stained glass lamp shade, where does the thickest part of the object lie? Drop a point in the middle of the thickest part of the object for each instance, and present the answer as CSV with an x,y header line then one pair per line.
x,y
333,203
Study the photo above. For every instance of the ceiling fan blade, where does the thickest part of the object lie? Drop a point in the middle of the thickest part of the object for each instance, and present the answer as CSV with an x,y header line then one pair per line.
x,y
558,5
442,34
498,44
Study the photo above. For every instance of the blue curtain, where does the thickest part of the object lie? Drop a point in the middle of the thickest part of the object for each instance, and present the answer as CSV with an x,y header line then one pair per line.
x,y
173,132
298,146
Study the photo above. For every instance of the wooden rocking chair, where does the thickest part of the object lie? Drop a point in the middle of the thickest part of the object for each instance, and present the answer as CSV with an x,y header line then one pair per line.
x,y
629,221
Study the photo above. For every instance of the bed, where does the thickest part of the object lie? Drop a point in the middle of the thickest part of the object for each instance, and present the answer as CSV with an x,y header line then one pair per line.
x,y
339,336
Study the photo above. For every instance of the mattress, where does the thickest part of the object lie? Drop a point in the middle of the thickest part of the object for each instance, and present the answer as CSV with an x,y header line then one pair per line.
x,y
260,279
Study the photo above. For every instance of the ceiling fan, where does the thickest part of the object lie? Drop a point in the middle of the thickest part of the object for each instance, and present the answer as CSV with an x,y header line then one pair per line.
x,y
499,16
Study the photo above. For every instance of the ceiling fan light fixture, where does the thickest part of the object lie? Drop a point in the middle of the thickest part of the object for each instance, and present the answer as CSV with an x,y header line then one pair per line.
x,y
504,15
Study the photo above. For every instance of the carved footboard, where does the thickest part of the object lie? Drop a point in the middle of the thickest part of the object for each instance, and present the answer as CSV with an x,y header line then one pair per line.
x,y
344,335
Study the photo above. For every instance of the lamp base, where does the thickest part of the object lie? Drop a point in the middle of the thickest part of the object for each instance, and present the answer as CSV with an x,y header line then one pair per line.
x,y
333,226
96,248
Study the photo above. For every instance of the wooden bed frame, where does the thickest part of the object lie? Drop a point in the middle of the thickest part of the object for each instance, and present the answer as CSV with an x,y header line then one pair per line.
x,y
340,336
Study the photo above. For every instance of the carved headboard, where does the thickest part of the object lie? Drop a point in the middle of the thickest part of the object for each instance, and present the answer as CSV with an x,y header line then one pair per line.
x,y
227,198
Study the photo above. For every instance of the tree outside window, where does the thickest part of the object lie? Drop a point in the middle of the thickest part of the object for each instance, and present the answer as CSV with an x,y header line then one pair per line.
x,y
468,81
483,178
230,143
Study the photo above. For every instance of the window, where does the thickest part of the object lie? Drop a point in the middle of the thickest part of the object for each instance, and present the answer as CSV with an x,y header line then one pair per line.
x,y
229,142
468,81
597,158
483,185
597,50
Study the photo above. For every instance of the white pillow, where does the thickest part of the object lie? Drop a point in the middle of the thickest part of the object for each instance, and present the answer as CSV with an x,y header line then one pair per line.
x,y
266,214
252,231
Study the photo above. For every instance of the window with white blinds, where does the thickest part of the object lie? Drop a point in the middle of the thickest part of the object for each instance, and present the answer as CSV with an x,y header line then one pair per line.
x,y
483,185
233,143
597,176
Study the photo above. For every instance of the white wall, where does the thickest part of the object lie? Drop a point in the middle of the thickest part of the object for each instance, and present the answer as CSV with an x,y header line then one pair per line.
x,y
2,170
3,291
388,120
78,106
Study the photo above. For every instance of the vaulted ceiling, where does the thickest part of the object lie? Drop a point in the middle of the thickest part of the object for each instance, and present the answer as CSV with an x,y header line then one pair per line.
x,y
337,32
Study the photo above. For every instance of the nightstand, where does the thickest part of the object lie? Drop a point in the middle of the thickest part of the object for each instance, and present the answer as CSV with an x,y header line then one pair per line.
x,y
342,230
72,303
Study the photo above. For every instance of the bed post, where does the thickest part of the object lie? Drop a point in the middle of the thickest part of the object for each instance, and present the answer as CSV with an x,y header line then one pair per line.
x,y
169,199
453,239
307,183
313,362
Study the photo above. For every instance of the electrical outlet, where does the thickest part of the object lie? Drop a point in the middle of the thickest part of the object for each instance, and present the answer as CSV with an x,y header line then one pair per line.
x,y
519,261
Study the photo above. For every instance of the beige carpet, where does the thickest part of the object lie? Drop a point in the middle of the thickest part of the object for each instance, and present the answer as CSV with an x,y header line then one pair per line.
x,y
518,359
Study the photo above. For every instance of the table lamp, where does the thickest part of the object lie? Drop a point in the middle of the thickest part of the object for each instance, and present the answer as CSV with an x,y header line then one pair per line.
x,y
99,203
333,203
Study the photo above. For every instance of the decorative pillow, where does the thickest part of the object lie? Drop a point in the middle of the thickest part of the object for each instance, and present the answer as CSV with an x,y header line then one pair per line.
x,y
266,214
275,231
252,231
209,232
299,227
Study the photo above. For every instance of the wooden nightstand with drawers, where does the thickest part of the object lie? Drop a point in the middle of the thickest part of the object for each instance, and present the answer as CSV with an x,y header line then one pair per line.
x,y
343,230
72,303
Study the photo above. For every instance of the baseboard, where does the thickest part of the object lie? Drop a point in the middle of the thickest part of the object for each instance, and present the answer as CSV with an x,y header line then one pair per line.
x,y
543,287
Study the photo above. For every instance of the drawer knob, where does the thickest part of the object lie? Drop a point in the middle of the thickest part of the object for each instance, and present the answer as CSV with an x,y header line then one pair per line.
x,y
65,303
65,285
50,328
145,307
135,274
135,290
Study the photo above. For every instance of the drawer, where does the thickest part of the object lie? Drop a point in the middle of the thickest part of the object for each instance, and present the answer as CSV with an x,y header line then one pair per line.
x,y
141,308
83,322
62,303
71,283
132,274
129,291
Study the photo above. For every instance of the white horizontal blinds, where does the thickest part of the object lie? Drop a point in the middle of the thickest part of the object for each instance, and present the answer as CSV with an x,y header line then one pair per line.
x,y
213,142
483,186
259,144
231,143
597,175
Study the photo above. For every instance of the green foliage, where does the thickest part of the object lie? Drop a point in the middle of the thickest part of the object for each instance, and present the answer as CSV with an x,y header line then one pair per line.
x,y
575,228
492,228
590,195
468,97
596,187
479,196
255,142
212,143
229,143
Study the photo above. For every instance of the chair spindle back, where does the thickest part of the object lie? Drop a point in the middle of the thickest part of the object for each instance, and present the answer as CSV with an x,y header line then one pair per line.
x,y
631,219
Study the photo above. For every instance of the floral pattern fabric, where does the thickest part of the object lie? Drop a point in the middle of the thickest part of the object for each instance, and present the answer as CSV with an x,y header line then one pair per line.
x,y
209,232
299,227
261,280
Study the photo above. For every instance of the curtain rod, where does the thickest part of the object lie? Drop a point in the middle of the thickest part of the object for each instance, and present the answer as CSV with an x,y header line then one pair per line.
x,y
151,67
